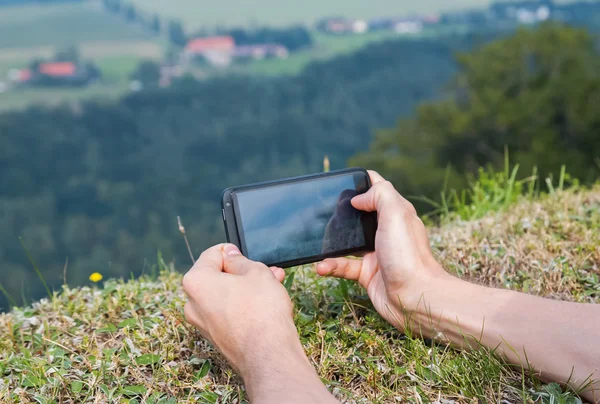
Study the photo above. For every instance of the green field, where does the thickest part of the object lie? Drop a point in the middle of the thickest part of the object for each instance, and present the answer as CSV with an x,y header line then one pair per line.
x,y
326,47
195,13
62,24
117,69
38,31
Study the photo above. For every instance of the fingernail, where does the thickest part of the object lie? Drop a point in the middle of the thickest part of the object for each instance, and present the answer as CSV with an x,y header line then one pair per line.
x,y
231,250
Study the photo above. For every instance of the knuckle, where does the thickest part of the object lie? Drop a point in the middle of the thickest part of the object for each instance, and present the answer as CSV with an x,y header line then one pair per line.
x,y
404,215
411,208
387,188
190,282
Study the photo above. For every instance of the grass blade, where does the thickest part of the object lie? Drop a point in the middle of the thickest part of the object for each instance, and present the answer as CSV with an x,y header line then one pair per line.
x,y
35,267
561,179
11,301
289,281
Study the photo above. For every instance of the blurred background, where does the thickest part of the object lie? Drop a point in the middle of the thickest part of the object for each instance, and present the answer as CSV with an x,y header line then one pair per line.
x,y
117,116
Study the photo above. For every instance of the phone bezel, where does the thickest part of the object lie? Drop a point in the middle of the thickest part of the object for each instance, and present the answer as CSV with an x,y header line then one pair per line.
x,y
234,234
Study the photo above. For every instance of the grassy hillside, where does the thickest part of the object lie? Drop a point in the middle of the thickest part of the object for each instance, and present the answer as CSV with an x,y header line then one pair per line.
x,y
129,341
61,24
38,30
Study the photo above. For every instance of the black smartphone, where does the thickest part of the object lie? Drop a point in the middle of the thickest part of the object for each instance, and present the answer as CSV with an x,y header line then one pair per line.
x,y
300,220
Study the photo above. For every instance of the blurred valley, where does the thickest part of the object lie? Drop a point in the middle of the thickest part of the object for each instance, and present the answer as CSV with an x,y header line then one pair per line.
x,y
117,116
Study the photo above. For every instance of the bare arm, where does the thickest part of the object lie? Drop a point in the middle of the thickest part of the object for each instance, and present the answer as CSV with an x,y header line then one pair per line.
x,y
286,377
408,287
561,340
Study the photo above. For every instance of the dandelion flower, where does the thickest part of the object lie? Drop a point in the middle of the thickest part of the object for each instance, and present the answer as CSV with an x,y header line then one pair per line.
x,y
95,277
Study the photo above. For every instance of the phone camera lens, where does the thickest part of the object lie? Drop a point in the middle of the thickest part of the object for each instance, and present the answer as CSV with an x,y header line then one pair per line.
x,y
227,204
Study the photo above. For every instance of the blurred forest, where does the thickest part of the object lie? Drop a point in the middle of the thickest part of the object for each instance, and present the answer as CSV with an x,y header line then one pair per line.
x,y
102,184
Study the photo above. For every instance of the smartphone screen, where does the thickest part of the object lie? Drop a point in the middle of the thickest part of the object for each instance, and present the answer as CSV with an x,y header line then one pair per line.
x,y
286,222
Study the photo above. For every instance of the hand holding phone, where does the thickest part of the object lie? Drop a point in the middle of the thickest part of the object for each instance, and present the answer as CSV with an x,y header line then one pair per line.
x,y
300,220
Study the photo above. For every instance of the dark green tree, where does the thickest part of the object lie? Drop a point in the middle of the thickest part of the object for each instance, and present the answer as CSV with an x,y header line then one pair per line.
x,y
147,72
130,13
176,33
155,23
67,54
534,93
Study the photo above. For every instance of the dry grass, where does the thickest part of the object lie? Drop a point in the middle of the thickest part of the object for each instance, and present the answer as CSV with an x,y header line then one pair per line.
x,y
128,342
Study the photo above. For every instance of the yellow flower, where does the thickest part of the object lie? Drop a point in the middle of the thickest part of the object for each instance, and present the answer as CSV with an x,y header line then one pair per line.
x,y
95,277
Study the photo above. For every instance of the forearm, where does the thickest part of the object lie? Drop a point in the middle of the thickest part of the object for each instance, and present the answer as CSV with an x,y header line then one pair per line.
x,y
285,377
558,339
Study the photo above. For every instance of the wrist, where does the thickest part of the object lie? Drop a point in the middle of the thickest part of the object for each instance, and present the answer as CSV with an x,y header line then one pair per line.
x,y
272,369
429,308
271,351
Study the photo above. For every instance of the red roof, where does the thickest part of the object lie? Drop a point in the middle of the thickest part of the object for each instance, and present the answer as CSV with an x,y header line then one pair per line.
x,y
58,69
215,43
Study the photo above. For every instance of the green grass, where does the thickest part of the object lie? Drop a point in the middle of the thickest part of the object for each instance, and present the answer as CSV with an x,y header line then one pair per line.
x,y
62,24
127,341
117,69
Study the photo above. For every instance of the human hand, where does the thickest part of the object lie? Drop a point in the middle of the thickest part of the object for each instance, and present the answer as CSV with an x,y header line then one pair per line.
x,y
402,266
239,305
242,308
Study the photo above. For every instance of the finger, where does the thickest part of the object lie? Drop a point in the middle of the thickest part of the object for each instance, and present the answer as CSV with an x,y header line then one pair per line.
x,y
381,195
235,263
279,273
210,260
204,271
375,177
344,268
360,270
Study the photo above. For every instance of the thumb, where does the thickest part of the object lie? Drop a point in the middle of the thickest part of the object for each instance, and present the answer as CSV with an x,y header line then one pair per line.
x,y
234,262
381,195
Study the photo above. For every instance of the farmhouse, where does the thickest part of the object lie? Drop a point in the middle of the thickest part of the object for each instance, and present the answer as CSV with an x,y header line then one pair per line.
x,y
221,51
54,73
216,50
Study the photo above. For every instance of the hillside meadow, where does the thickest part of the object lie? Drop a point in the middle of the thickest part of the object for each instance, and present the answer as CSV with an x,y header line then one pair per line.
x,y
127,341
62,24
35,31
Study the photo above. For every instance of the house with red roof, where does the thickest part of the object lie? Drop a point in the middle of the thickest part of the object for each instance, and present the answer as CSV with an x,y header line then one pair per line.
x,y
58,69
217,50
201,46
54,74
